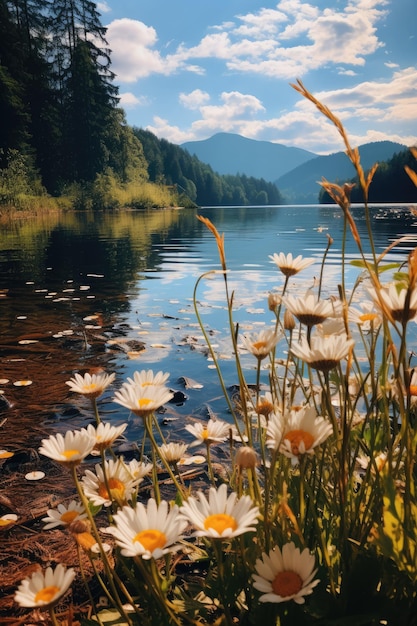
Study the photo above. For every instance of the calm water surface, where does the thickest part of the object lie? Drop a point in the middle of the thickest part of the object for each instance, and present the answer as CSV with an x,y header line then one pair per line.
x,y
115,291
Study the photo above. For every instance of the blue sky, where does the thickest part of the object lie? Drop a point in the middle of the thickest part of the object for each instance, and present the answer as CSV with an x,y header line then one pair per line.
x,y
187,69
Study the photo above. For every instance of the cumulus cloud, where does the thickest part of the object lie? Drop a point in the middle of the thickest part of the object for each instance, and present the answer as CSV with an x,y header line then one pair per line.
x,y
195,99
128,100
380,103
103,7
132,45
162,128
290,40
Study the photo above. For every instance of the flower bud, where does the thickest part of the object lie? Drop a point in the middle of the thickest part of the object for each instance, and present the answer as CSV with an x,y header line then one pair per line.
x,y
274,300
246,458
289,321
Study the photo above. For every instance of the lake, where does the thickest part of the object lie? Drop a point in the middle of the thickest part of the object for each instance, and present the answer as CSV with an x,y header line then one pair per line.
x,y
114,291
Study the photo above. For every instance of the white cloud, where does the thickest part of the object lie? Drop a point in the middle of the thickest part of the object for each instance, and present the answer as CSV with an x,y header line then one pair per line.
x,y
288,41
378,106
128,100
195,99
132,43
161,128
103,7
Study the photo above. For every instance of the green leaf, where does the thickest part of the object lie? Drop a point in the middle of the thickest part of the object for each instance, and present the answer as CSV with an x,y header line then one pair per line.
x,y
376,268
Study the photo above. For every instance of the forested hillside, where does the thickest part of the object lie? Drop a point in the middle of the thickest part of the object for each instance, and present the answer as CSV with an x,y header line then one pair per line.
x,y
173,165
62,131
390,183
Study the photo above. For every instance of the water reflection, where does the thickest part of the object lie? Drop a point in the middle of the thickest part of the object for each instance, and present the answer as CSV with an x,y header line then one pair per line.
x,y
115,291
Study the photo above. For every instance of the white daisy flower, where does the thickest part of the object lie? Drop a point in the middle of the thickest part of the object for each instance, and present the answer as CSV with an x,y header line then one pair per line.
x,y
266,405
309,310
274,430
115,477
143,400
260,344
220,516
43,589
144,378
90,385
288,265
394,298
149,532
303,431
215,431
368,317
286,575
172,452
138,469
105,434
64,515
331,326
70,449
325,353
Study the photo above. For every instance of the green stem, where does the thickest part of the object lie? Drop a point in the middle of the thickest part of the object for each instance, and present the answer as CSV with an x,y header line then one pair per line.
x,y
53,616
217,548
108,570
95,409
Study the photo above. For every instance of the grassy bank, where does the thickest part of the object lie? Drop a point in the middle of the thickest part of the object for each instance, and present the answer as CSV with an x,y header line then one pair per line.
x,y
106,192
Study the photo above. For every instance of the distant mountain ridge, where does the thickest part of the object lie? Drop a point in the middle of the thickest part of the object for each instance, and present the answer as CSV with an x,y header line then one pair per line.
x,y
295,171
301,185
228,153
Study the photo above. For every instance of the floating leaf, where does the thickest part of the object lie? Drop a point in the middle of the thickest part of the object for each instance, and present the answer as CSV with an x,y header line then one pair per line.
x,y
6,454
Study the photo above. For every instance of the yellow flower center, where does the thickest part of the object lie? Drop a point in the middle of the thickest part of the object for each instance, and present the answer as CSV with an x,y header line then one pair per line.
x,y
5,522
85,540
90,388
47,594
264,408
69,454
286,584
220,522
204,434
258,345
69,516
295,437
117,489
413,390
143,402
151,539
368,317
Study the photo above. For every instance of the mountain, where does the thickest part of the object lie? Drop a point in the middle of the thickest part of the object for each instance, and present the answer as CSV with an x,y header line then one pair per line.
x,y
296,172
228,153
301,185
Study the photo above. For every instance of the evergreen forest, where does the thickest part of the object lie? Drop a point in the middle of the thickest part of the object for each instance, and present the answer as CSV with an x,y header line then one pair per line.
x,y
63,133
390,182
